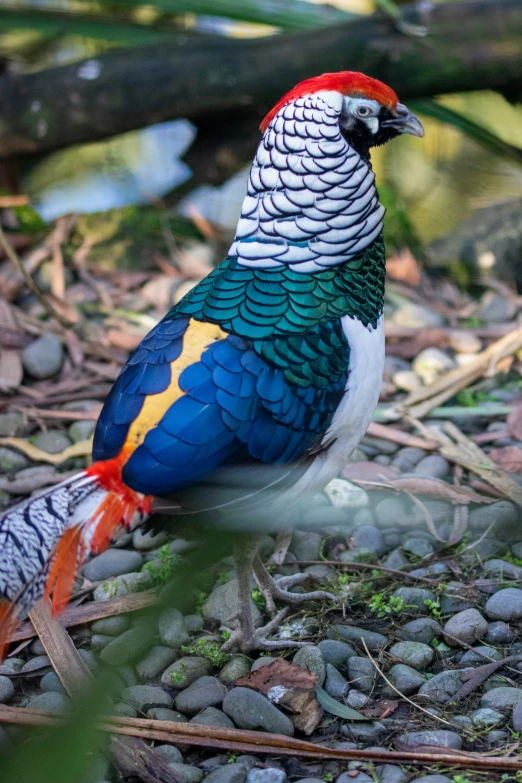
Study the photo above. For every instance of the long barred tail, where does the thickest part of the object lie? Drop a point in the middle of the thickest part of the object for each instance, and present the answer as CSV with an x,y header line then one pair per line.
x,y
45,539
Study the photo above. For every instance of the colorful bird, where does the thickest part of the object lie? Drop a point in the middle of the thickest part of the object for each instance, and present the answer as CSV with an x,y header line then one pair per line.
x,y
256,387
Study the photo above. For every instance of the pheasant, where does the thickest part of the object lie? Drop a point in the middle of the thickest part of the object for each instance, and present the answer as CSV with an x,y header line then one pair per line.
x,y
256,387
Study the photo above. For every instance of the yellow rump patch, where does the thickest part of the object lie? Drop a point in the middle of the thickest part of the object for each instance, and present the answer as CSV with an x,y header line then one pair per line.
x,y
197,337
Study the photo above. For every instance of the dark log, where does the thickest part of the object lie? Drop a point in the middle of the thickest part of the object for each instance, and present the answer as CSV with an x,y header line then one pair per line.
x,y
469,46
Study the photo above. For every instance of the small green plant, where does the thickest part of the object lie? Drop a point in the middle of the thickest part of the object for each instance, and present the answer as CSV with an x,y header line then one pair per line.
x,y
209,650
433,608
383,607
161,568
462,779
231,758
225,635
328,777
178,677
259,599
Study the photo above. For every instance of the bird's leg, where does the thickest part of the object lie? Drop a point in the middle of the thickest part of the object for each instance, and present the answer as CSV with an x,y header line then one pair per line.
x,y
272,589
245,636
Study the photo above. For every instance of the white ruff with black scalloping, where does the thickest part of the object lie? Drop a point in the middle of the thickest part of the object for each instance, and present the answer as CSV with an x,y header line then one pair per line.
x,y
311,200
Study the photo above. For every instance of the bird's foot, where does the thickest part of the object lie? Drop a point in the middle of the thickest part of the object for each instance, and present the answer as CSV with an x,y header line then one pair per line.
x,y
279,589
247,639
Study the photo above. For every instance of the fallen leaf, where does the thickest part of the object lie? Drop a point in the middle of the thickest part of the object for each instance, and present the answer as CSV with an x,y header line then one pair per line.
x,y
433,488
81,449
369,471
279,673
403,267
509,458
335,707
381,709
11,370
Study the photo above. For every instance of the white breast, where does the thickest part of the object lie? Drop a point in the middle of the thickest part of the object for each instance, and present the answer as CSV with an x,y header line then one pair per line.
x,y
357,406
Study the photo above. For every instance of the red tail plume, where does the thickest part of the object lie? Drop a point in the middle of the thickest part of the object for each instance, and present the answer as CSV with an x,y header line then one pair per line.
x,y
117,509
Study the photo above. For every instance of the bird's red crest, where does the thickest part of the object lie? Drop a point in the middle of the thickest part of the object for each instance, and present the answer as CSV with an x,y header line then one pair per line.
x,y
345,82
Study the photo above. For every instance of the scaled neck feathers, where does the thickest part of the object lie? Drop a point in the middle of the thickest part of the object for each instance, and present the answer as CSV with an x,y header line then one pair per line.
x,y
311,202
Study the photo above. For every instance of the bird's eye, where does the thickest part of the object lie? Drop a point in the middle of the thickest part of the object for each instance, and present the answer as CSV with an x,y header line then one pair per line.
x,y
363,111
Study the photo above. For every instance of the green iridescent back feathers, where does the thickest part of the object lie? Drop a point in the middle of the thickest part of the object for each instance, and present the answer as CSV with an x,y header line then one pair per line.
x,y
293,319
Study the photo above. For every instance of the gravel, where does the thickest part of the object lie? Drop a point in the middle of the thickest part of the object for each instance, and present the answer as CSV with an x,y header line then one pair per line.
x,y
441,738
222,604
251,710
269,775
145,697
351,633
185,671
336,653
172,629
362,674
211,716
406,679
155,662
414,598
7,690
228,773
423,630
335,684
442,686
501,698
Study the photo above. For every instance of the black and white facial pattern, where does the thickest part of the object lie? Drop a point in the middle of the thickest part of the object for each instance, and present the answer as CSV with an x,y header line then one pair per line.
x,y
311,200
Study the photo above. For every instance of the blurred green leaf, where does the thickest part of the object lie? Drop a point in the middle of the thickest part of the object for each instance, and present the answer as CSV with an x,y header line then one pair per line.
x,y
335,707
472,129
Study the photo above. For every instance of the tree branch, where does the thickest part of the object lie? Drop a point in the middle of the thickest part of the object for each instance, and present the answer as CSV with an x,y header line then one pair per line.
x,y
469,45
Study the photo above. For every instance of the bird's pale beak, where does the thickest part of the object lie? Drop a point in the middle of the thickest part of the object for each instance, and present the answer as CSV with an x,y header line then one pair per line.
x,y
405,121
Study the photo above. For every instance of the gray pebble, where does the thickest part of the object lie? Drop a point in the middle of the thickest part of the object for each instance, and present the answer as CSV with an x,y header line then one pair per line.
x,y
396,559
432,466
268,775
505,605
406,679
12,424
6,690
363,731
162,713
414,598
354,777
391,773
193,623
312,659
475,657
186,773
406,459
155,662
263,660
251,710
325,516
144,697
43,358
499,632
424,630
36,663
441,738
172,630
351,633
122,585
306,545
81,430
52,441
169,753
388,511
432,779
111,626
223,603
517,717
112,562
11,461
356,699
501,698
442,687
125,648
414,654
362,674
419,547
125,710
11,665
50,682
204,692
485,717
237,666
211,716
185,671
465,627
503,517
335,684
336,653
357,555
370,537
498,735
228,773
51,701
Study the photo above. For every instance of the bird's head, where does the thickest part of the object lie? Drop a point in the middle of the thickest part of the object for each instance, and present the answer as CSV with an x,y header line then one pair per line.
x,y
370,110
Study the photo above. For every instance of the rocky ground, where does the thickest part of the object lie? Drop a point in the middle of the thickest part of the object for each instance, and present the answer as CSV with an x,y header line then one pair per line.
x,y
427,578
